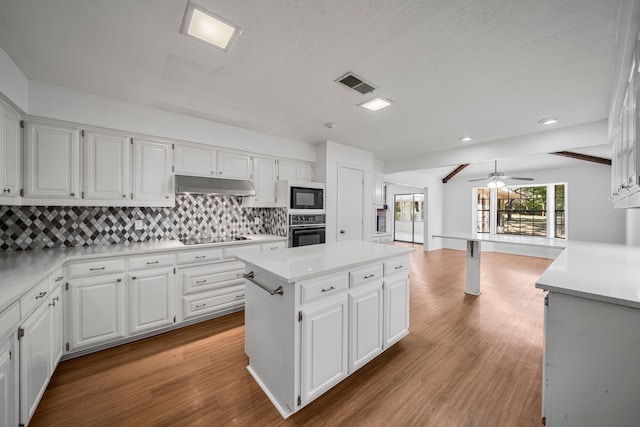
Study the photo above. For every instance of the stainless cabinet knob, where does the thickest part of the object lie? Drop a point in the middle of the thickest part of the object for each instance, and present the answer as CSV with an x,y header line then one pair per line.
x,y
73,194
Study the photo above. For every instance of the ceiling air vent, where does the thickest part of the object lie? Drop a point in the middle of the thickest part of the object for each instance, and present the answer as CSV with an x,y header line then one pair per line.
x,y
351,81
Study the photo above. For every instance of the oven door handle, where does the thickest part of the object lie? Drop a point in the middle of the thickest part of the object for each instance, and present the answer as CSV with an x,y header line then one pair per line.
x,y
307,227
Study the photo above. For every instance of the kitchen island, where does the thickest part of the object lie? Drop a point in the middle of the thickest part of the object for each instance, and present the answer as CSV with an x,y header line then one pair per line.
x,y
315,314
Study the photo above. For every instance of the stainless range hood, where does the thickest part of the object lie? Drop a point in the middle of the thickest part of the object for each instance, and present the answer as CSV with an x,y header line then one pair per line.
x,y
214,186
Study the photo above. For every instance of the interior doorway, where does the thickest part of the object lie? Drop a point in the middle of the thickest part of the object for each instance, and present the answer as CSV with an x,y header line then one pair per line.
x,y
408,218
350,203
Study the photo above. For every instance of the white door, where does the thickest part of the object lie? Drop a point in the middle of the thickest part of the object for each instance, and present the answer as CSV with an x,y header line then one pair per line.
x,y
35,351
350,203
10,154
195,160
97,310
233,165
55,321
52,161
8,382
264,179
396,310
152,170
365,325
151,299
324,348
107,170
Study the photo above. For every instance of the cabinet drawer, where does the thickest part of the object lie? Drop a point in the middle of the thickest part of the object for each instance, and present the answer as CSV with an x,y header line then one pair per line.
x,y
325,287
9,319
202,255
34,297
96,267
240,249
212,277
396,266
274,246
365,275
150,261
200,305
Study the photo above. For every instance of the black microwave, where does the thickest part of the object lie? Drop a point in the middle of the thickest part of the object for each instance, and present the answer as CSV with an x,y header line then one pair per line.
x,y
306,198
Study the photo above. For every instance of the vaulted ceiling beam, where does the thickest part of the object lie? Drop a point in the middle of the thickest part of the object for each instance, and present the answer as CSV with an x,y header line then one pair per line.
x,y
454,173
585,157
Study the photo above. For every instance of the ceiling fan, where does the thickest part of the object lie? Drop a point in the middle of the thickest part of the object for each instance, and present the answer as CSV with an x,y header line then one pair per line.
x,y
497,179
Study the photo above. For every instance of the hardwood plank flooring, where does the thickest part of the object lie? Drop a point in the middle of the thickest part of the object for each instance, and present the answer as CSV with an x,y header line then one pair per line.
x,y
468,361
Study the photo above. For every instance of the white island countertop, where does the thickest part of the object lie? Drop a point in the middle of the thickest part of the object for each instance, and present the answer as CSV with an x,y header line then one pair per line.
x,y
306,262
504,238
598,271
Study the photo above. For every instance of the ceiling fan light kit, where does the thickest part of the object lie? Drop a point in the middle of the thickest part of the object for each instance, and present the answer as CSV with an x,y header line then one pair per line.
x,y
498,179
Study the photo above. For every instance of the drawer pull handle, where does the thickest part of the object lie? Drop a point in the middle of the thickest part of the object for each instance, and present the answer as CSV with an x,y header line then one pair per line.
x,y
134,277
201,256
59,278
40,295
52,304
328,289
201,281
398,267
200,305
369,276
96,268
154,262
274,247
239,296
56,299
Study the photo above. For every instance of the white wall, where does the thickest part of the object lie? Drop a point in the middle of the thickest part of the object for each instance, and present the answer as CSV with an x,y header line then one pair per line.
x,y
13,82
590,214
432,187
329,155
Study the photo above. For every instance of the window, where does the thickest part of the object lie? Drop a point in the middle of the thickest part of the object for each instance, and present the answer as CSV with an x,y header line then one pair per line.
x,y
522,210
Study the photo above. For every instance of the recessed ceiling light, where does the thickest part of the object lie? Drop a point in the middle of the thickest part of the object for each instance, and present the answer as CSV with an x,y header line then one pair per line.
x,y
204,25
549,121
376,104
330,125
466,139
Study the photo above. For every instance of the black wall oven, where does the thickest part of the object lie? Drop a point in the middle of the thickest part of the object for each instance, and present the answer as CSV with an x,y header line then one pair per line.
x,y
306,230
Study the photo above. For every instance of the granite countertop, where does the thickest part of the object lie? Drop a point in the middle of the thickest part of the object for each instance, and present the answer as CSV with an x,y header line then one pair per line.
x,y
306,262
22,270
597,271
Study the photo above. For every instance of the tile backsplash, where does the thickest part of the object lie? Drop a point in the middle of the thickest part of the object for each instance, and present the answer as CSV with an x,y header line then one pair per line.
x,y
193,216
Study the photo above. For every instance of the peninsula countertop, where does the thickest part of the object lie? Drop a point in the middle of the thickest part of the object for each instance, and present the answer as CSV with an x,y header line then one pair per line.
x,y
306,262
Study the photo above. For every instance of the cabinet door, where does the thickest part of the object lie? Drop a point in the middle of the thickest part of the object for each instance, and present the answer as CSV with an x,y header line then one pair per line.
x,y
8,382
324,348
196,161
35,360
10,169
264,179
55,313
107,169
396,310
97,307
365,325
52,161
233,165
152,179
378,190
151,299
293,170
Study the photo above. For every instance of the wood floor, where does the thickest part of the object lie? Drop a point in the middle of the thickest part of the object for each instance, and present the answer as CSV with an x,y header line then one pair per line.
x,y
468,361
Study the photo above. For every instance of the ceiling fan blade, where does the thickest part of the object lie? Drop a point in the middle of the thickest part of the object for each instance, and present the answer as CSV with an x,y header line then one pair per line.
x,y
478,179
519,178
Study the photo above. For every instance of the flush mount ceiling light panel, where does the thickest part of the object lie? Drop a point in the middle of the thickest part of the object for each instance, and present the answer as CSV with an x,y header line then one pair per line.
x,y
376,104
354,82
206,26
466,139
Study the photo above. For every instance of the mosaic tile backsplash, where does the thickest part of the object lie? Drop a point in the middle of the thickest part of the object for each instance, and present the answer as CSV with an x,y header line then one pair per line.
x,y
194,216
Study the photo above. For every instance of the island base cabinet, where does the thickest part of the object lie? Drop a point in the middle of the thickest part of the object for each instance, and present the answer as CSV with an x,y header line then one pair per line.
x,y
591,373
324,339
365,325
396,310
97,306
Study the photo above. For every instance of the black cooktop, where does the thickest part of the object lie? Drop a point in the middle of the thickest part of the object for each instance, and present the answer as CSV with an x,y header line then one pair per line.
x,y
205,240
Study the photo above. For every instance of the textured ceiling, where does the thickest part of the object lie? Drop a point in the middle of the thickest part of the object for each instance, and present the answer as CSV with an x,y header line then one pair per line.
x,y
490,69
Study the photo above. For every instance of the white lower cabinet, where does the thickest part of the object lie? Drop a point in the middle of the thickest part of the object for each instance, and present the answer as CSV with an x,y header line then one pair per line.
x,y
97,306
35,360
396,309
56,326
151,300
365,325
324,347
9,380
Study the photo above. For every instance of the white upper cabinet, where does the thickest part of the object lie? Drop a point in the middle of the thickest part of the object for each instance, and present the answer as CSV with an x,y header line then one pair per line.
x,y
52,161
233,165
194,161
295,170
378,190
10,169
264,180
107,166
152,177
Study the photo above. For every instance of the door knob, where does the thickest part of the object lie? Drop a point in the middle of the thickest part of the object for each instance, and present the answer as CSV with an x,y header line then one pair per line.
x,y
342,231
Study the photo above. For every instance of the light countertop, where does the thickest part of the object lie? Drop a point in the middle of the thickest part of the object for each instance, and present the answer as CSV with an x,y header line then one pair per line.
x,y
505,238
598,271
306,262
22,270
